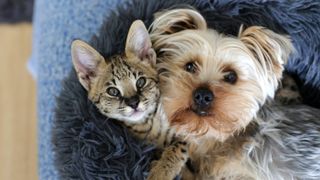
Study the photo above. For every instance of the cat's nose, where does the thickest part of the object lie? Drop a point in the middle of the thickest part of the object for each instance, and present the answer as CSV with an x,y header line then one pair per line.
x,y
132,101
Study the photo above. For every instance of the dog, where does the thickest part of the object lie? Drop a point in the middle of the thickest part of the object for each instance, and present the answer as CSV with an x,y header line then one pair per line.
x,y
218,92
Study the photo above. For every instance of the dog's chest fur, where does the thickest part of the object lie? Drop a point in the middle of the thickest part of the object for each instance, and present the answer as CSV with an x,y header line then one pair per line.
x,y
227,160
258,152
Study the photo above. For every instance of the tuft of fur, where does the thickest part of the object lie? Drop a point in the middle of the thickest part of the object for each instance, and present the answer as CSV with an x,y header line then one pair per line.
x,y
270,49
172,21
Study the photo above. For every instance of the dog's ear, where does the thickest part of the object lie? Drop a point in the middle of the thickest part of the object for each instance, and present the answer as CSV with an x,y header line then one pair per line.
x,y
85,61
172,21
138,43
270,49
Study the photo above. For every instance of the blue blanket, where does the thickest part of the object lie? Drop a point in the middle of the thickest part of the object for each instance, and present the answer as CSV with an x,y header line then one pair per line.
x,y
93,151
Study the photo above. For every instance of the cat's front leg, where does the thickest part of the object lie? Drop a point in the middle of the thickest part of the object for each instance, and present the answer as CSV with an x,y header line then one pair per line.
x,y
172,160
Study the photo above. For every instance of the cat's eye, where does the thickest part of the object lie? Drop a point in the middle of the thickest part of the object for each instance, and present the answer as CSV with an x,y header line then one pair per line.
x,y
141,82
113,91
230,77
191,67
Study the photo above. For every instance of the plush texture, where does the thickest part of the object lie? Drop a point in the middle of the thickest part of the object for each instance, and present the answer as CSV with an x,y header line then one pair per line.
x,y
12,11
89,146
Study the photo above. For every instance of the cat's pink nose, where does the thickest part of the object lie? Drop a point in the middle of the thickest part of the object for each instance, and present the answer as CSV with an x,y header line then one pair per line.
x,y
133,101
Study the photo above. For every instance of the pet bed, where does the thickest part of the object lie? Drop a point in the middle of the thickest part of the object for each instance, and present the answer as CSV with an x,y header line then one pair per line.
x,y
87,145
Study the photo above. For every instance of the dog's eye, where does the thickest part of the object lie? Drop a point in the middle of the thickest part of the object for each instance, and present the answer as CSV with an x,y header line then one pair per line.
x,y
230,77
191,67
141,82
113,91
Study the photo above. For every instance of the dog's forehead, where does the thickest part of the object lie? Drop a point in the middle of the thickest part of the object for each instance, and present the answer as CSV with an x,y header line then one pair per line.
x,y
212,51
216,51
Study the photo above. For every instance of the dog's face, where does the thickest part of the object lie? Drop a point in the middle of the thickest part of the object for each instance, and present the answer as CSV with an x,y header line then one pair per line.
x,y
213,85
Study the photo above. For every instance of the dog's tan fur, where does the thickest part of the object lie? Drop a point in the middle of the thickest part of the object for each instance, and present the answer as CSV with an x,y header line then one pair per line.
x,y
219,138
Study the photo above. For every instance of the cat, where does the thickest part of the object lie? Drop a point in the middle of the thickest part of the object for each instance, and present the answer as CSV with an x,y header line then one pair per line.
x,y
125,87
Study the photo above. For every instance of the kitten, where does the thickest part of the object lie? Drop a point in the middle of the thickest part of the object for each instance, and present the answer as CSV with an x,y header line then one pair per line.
x,y
125,87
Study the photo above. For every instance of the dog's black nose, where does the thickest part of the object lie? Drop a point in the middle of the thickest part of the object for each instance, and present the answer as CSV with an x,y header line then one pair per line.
x,y
132,101
202,98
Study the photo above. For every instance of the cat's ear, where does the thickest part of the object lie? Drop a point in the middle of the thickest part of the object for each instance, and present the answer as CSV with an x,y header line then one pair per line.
x,y
85,61
138,43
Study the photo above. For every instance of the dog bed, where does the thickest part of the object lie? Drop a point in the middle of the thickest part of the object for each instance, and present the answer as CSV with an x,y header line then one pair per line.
x,y
88,145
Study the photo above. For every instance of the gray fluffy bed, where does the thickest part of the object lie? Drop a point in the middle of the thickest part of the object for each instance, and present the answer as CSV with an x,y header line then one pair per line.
x,y
90,146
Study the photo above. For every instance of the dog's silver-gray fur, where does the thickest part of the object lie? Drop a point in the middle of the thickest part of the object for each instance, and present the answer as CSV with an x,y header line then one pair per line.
x,y
287,142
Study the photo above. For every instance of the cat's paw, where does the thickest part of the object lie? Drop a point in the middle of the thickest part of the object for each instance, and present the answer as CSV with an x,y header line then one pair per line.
x,y
181,151
172,160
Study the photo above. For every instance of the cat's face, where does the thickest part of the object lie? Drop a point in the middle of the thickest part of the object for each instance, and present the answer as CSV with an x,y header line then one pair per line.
x,y
126,89
123,87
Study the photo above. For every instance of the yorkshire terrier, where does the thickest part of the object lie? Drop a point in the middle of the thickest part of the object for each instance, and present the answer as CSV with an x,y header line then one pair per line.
x,y
218,92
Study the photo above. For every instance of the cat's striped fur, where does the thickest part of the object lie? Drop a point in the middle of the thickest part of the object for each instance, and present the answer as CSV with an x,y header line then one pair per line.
x,y
123,74
125,87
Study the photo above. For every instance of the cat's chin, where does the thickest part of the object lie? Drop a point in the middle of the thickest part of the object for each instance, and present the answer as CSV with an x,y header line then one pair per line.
x,y
132,118
137,116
